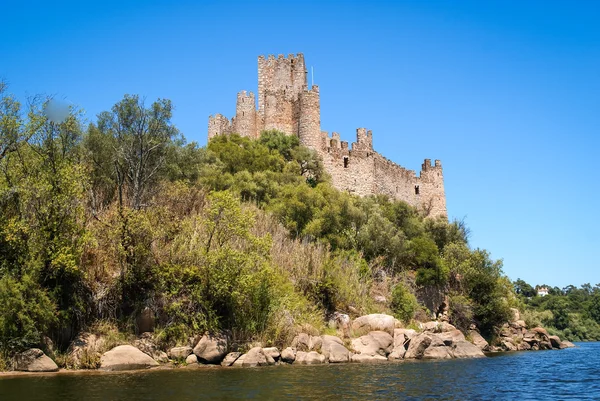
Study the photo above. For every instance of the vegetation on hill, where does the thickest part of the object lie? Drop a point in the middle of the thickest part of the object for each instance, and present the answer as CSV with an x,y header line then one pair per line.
x,y
99,222
572,313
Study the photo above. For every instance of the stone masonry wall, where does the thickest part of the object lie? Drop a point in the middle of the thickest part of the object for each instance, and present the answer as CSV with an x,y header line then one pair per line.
x,y
286,104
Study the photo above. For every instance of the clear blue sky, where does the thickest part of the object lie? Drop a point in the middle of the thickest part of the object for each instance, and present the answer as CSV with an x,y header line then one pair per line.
x,y
505,93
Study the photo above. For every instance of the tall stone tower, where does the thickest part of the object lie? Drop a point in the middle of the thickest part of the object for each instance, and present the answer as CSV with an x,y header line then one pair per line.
x,y
285,103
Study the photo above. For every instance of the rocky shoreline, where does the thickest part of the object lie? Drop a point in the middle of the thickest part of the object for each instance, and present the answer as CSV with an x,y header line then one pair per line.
x,y
367,339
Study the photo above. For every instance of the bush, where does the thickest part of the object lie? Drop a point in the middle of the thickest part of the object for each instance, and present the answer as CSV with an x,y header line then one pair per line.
x,y
404,303
26,313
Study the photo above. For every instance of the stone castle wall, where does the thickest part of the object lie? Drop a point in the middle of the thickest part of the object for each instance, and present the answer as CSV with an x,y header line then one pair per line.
x,y
286,104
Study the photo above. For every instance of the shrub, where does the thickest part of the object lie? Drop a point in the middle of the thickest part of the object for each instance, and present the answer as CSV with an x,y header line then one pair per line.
x,y
404,303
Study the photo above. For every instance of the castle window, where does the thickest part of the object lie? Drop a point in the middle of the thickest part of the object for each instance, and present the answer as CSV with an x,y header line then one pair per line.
x,y
416,190
345,162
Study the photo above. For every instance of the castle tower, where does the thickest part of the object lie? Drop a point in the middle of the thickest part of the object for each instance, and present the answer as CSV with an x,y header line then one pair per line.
x,y
217,125
309,122
245,116
430,189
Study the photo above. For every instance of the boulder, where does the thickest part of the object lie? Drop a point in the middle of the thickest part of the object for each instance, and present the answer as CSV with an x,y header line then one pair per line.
x,y
408,333
374,322
523,346
374,343
180,352
240,361
257,357
437,349
380,299
126,357
211,348
464,349
508,345
478,340
306,343
231,358
451,337
333,349
397,353
362,358
313,358
191,359
516,315
418,345
273,352
567,344
555,341
288,355
34,360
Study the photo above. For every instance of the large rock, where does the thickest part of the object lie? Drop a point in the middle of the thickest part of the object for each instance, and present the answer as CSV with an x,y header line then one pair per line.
x,y
374,322
408,333
508,345
478,340
288,355
555,341
211,348
451,337
180,352
418,345
191,359
309,358
34,360
306,343
273,352
464,349
568,344
126,357
257,357
362,358
400,340
437,349
374,343
333,350
231,358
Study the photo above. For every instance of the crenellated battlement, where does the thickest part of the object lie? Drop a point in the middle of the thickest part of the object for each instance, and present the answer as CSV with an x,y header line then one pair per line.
x,y
286,103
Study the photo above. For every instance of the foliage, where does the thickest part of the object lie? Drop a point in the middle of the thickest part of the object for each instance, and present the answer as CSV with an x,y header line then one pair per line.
x,y
247,236
404,303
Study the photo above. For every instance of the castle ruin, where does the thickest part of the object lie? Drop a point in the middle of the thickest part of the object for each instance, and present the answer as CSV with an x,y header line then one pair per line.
x,y
285,103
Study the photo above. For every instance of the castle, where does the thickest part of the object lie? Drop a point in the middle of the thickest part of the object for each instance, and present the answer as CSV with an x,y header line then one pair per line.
x,y
285,103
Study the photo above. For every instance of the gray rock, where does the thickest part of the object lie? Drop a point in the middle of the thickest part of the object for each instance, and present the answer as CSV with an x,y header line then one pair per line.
x,y
34,360
567,344
240,361
437,349
306,343
437,327
231,358
288,355
191,359
313,358
211,348
333,349
397,353
180,352
273,352
451,337
418,345
374,322
464,349
256,357
126,357
478,340
374,343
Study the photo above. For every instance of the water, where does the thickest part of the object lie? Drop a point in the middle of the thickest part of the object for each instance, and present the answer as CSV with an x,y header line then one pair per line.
x,y
538,375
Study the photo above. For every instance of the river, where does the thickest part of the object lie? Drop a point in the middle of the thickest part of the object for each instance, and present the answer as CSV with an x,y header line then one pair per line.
x,y
536,375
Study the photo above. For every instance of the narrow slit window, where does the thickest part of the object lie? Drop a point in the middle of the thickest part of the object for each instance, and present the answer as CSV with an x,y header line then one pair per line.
x,y
416,190
345,162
